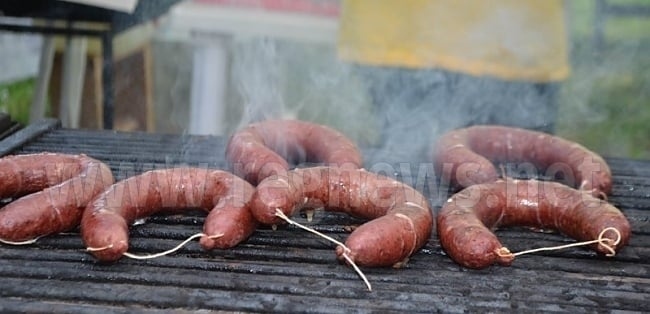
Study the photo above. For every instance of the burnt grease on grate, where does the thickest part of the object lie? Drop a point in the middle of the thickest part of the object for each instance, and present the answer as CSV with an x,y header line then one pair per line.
x,y
290,270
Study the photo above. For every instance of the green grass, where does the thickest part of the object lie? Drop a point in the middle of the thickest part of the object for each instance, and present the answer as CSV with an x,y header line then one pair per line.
x,y
16,98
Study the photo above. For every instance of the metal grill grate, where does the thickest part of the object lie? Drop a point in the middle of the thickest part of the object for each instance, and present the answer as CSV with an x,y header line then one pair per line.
x,y
289,270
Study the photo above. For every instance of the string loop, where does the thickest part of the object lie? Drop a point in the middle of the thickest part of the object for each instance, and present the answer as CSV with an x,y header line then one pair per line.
x,y
607,243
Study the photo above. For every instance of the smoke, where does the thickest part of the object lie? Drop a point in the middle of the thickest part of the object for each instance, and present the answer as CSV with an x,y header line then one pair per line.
x,y
259,80
274,79
396,115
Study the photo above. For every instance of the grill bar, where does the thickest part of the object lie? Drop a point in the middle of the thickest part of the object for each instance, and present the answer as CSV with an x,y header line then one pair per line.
x,y
289,270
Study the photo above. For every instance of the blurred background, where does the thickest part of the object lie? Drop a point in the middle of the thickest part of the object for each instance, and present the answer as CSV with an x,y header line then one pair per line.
x,y
210,66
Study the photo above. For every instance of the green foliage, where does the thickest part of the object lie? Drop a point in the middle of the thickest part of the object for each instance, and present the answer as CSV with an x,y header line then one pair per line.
x,y
605,105
581,21
16,98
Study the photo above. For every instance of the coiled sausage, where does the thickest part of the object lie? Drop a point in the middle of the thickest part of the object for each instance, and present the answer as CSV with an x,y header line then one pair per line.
x,y
466,157
465,220
262,149
61,187
401,217
106,220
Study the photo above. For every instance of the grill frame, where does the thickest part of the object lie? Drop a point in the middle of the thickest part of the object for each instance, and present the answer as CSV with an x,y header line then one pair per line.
x,y
289,270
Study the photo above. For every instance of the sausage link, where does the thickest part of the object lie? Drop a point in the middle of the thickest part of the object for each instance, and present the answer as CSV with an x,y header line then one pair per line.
x,y
466,156
401,217
465,220
61,187
106,220
262,149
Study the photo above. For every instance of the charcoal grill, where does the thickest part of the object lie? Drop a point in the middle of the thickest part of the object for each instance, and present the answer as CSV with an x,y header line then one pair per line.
x,y
289,270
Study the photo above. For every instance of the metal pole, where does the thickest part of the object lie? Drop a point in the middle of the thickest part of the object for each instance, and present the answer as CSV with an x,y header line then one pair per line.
x,y
37,110
107,79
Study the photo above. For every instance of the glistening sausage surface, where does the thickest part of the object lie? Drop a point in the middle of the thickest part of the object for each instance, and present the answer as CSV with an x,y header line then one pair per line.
x,y
465,220
107,218
401,217
466,156
61,187
262,149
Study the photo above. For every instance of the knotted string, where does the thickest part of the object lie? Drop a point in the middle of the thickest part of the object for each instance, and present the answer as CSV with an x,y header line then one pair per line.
x,y
607,243
284,217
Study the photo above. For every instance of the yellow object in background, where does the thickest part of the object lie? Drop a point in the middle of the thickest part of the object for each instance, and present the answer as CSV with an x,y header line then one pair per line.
x,y
507,39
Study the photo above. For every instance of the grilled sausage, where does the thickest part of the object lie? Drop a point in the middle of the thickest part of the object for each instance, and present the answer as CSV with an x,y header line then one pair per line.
x,y
61,187
263,148
106,220
465,220
466,156
401,217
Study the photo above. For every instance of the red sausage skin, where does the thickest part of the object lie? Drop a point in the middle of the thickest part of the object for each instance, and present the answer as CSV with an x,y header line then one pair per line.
x,y
61,185
401,219
466,219
262,149
106,220
466,156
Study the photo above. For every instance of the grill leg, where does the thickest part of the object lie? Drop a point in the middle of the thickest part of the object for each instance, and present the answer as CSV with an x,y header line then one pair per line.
x,y
208,95
74,68
37,111
107,79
